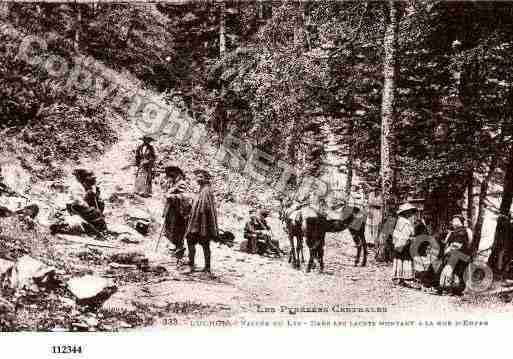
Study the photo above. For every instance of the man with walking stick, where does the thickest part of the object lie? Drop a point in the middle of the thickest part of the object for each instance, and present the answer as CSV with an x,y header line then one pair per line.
x,y
176,208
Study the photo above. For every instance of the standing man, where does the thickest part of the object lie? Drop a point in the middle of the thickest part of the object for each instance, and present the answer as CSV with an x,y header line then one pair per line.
x,y
145,158
176,209
202,226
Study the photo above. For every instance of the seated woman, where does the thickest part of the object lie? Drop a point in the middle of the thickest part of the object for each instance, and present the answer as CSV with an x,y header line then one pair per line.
x,y
457,245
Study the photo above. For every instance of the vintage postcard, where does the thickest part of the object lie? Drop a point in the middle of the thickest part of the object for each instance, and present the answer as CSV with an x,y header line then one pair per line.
x,y
310,166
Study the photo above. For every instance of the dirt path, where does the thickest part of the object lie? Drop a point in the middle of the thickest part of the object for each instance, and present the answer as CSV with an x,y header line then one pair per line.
x,y
244,286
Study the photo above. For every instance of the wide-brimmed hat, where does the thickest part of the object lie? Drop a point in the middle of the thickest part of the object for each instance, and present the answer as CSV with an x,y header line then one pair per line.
x,y
90,180
173,167
82,173
147,138
406,207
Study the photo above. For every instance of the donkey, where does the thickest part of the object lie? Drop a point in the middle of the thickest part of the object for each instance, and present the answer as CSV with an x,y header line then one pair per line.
x,y
309,223
292,218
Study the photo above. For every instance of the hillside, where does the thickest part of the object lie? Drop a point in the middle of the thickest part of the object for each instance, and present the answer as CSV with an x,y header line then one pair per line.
x,y
314,85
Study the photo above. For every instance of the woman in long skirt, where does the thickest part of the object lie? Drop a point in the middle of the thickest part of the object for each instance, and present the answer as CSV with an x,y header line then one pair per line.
x,y
145,158
402,236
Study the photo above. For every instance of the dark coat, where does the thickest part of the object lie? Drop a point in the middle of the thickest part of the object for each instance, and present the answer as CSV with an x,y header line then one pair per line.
x,y
145,159
93,199
203,220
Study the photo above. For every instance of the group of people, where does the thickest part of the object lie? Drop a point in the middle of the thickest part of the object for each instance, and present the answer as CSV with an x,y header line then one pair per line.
x,y
193,219
442,271
186,218
438,270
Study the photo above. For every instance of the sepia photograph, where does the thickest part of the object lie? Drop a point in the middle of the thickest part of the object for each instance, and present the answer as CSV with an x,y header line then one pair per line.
x,y
339,166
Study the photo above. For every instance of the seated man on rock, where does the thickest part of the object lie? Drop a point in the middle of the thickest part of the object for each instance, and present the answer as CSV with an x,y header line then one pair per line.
x,y
88,206
258,234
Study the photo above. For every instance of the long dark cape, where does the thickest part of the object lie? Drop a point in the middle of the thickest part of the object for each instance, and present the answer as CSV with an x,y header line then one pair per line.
x,y
203,219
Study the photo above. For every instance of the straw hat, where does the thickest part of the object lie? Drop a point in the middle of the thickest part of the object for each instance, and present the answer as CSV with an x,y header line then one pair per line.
x,y
406,207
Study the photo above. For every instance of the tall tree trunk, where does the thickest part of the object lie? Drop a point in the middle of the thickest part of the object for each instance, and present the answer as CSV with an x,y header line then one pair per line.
x,y
129,32
299,27
133,14
222,30
387,109
502,247
350,158
78,26
222,53
483,191
470,198
5,10
260,10
387,170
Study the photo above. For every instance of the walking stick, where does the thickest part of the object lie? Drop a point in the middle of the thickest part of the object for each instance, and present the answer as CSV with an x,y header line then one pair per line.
x,y
163,226
160,235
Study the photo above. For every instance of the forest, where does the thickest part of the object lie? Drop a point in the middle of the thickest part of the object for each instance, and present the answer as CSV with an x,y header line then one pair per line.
x,y
416,95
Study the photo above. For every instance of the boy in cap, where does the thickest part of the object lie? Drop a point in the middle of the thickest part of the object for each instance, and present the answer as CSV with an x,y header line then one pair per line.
x,y
202,226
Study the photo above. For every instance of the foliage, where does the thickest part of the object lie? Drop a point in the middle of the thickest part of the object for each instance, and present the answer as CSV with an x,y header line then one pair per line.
x,y
53,122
